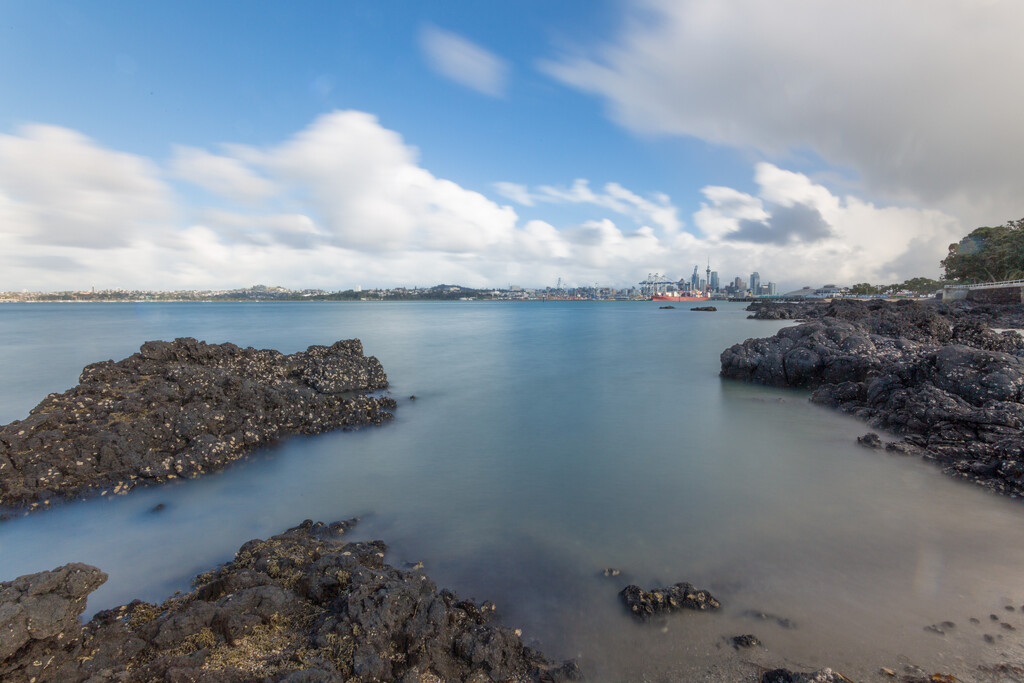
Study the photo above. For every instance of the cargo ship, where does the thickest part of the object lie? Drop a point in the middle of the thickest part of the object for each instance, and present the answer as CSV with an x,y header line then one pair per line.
x,y
679,296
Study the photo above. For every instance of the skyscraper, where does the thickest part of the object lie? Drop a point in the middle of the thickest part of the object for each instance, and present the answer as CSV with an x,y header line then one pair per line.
x,y
714,280
755,283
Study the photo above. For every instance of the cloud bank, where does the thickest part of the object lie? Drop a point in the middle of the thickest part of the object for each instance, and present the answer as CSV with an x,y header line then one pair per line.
x,y
345,202
919,98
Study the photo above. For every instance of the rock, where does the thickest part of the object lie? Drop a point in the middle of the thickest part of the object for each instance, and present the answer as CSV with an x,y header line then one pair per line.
x,y
870,440
301,606
181,409
610,571
710,309
787,676
784,622
645,604
39,614
748,640
664,308
936,375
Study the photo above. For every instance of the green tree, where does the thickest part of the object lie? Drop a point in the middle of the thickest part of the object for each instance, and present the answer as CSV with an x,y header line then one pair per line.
x,y
862,288
920,285
988,254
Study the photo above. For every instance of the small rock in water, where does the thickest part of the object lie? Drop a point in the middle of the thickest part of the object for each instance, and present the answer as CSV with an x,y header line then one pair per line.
x,y
413,397
609,571
159,507
645,604
781,621
870,440
748,640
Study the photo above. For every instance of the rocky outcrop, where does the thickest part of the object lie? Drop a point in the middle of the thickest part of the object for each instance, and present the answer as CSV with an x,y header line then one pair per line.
x,y
39,614
179,409
645,604
300,606
787,676
949,385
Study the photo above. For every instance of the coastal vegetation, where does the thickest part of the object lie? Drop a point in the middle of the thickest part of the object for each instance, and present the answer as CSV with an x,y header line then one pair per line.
x,y
988,254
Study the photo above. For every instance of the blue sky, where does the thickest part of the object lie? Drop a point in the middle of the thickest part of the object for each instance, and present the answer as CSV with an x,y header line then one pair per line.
x,y
327,144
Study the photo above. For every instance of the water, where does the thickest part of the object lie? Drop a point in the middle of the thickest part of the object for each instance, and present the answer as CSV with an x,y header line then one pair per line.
x,y
549,441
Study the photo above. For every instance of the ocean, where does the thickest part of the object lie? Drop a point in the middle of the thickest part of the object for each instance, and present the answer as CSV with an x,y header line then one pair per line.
x,y
547,442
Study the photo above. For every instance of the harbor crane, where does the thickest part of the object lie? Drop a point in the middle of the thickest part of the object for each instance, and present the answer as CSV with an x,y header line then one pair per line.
x,y
655,283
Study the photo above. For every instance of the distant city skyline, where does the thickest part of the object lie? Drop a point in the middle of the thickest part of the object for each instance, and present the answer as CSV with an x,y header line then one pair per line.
x,y
324,144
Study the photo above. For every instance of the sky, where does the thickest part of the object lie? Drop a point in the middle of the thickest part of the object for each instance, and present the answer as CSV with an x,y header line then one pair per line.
x,y
385,143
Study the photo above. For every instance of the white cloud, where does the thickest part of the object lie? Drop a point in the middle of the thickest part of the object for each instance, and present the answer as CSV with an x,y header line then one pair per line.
x,y
464,62
920,98
657,210
344,202
797,232
221,175
64,189
363,183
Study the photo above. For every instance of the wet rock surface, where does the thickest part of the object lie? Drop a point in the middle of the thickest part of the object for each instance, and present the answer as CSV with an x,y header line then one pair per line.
x,y
179,409
787,676
936,375
301,606
645,604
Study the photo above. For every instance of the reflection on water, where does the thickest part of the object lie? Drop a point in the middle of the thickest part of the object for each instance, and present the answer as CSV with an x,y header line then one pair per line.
x,y
550,441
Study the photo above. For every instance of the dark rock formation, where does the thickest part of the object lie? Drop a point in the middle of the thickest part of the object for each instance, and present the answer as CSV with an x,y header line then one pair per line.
x,y
870,440
748,640
39,613
710,309
179,409
301,606
665,308
949,385
645,604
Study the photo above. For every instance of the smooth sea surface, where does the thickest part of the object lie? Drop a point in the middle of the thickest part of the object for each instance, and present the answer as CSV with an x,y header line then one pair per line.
x,y
548,441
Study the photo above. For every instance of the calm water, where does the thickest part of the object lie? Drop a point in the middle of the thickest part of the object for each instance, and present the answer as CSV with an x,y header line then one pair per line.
x,y
548,441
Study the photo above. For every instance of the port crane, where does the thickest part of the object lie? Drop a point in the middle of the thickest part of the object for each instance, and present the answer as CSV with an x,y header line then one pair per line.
x,y
655,283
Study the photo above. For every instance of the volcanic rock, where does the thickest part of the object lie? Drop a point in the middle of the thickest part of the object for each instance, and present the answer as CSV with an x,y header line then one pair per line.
x,y
180,409
300,606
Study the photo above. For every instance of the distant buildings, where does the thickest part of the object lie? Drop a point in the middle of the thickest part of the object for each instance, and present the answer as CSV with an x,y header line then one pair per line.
x,y
755,283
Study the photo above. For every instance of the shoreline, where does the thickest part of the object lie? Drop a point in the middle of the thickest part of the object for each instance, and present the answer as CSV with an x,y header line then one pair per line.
x,y
936,376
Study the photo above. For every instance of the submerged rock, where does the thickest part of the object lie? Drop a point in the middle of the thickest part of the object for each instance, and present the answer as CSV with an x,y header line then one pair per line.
x,y
710,309
870,440
747,640
645,604
300,606
180,409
